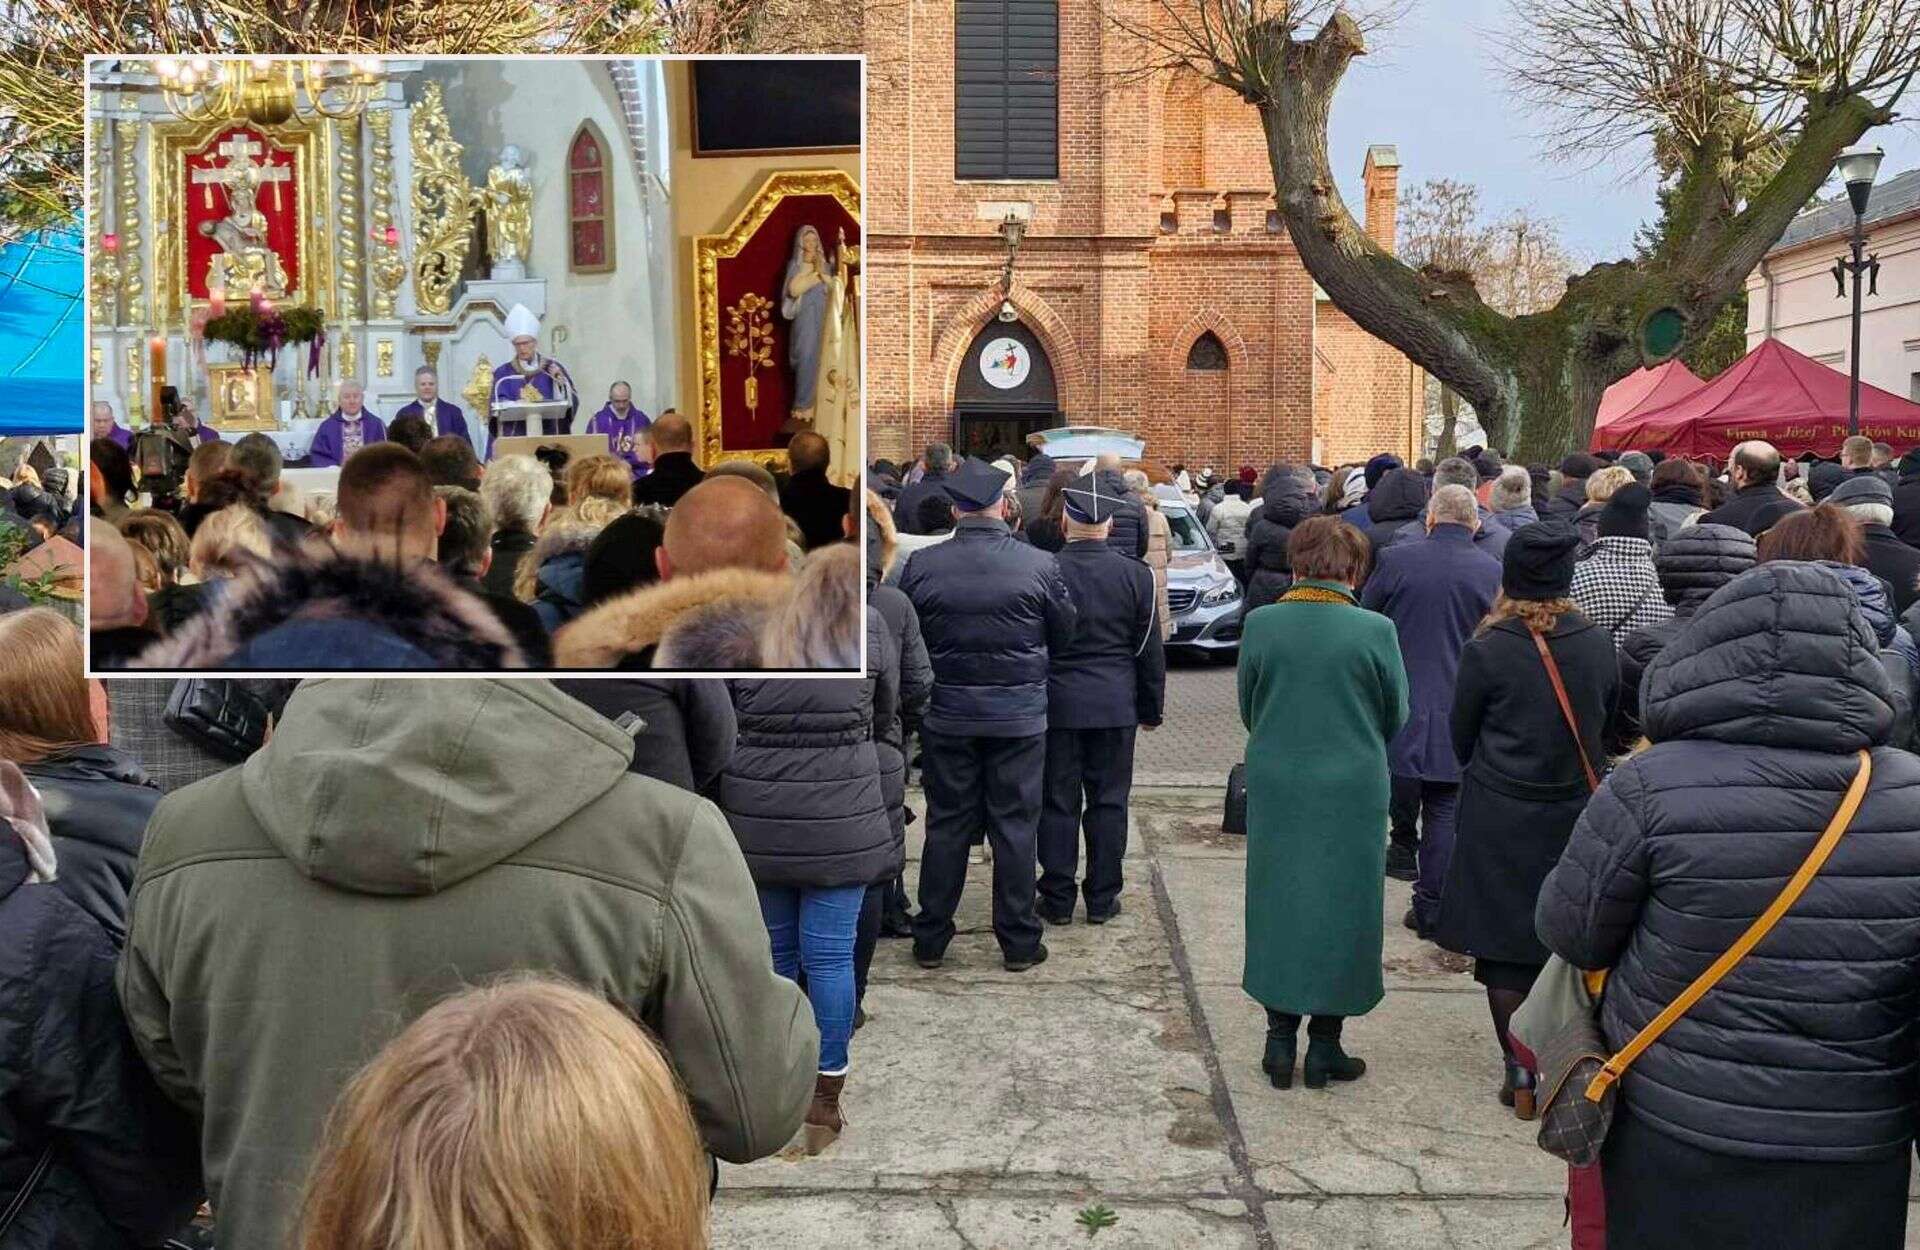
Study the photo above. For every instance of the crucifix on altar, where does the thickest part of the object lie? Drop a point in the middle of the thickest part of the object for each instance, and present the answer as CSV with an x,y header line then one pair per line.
x,y
246,261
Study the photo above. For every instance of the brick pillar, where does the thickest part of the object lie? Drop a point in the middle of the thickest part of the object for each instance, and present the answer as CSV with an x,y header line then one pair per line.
x,y
1194,211
1249,210
1382,176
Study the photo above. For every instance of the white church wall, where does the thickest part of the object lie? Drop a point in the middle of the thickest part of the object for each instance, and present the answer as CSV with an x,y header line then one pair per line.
x,y
613,322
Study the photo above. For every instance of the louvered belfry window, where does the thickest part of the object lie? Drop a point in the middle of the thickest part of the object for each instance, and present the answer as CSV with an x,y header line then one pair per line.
x,y
1006,89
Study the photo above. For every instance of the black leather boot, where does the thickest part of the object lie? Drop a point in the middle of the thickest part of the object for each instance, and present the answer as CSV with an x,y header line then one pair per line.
x,y
1278,1061
1326,1061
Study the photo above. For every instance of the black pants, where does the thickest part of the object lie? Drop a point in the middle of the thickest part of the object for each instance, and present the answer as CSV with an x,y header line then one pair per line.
x,y
991,785
1403,810
866,936
1322,1027
1089,774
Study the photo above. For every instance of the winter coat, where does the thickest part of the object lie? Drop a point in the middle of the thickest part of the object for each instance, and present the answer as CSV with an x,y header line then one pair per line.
x,y
509,548
97,802
1893,561
625,631
1159,554
1565,503
1321,691
560,572
1898,654
816,505
1753,509
1113,674
1227,523
1268,571
803,790
321,608
1695,562
991,610
124,1162
1805,1051
916,681
1514,518
1675,506
1033,484
1399,501
1522,784
906,509
1491,537
1129,535
682,730
1616,587
170,607
1906,500
1436,591
673,474
293,914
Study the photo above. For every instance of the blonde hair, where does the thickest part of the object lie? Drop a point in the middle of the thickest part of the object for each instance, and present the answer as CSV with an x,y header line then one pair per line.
x,y
44,702
599,477
888,535
818,624
525,1115
224,540
1540,615
1602,484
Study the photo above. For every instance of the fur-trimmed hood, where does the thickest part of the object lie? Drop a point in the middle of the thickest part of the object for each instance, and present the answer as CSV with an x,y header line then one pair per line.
x,y
636,621
562,537
317,591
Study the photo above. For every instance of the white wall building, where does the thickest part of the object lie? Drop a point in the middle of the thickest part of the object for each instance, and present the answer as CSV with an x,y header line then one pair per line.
x,y
1792,296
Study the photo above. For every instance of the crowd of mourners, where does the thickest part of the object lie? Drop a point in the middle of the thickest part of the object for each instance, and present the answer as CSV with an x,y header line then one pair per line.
x,y
357,963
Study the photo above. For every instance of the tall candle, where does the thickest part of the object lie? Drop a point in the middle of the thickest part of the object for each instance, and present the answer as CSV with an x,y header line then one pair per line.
x,y
216,305
157,374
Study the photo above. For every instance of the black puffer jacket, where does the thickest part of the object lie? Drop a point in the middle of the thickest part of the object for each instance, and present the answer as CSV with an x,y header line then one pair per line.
x,y
803,790
909,658
1806,1050
1129,533
682,730
991,609
124,1166
1287,503
98,802
1399,501
1694,563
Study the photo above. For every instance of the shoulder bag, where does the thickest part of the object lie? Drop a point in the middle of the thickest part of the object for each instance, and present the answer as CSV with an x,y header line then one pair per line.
x,y
1580,1080
25,1192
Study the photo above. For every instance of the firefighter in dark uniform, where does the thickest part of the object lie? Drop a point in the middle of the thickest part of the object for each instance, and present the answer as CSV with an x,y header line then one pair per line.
x,y
1110,679
992,609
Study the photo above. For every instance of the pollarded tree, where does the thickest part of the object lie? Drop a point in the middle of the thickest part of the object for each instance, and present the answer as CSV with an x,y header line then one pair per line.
x,y
1721,85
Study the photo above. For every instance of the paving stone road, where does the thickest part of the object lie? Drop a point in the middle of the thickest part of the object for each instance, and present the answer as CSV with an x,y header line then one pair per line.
x,y
986,1109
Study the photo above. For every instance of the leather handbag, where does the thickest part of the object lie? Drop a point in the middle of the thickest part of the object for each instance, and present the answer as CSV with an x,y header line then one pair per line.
x,y
1581,1081
222,716
1235,819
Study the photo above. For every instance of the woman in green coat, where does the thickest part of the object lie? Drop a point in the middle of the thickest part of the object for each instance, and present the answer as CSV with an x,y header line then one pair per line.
x,y
1322,690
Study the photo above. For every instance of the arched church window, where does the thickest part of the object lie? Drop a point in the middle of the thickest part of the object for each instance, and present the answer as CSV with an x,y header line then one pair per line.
x,y
1207,353
589,202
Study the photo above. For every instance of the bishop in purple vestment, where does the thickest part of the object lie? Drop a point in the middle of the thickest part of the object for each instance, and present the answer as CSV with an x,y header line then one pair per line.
x,y
626,429
530,376
346,430
441,416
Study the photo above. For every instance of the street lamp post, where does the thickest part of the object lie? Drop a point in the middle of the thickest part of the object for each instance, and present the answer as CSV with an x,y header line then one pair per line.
x,y
1858,167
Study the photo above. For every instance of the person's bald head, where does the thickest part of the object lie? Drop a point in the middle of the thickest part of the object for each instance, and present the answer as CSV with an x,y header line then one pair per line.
x,y
723,523
671,432
807,451
112,581
386,507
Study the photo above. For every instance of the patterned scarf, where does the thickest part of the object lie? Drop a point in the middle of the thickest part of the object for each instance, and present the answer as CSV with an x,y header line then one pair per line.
x,y
1315,594
21,810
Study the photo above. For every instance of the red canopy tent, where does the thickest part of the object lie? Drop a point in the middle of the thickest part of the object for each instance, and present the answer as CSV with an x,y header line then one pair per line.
x,y
1775,393
1642,391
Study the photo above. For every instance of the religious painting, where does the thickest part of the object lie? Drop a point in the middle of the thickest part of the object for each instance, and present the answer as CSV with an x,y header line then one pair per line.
x,y
750,107
589,202
778,318
242,397
238,200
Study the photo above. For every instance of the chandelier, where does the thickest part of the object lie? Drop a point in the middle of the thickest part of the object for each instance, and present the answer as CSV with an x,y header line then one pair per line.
x,y
267,91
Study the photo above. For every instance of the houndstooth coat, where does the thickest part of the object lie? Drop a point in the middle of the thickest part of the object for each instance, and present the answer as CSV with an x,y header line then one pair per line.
x,y
1617,589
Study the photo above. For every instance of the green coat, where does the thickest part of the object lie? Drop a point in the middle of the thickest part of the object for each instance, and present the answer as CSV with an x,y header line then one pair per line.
x,y
1322,690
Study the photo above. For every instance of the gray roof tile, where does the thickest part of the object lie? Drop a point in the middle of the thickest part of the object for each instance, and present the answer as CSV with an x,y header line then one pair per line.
x,y
1896,197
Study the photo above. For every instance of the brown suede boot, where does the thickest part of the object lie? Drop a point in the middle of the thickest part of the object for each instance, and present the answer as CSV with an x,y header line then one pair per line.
x,y
824,1120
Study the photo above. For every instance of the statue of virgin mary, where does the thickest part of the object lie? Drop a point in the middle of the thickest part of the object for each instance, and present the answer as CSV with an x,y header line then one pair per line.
x,y
821,299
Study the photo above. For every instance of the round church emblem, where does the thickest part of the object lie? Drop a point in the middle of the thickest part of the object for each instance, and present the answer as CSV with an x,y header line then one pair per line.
x,y
1005,363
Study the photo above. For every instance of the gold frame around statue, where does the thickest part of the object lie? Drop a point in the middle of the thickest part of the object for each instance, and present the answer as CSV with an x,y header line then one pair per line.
x,y
175,140
242,397
708,251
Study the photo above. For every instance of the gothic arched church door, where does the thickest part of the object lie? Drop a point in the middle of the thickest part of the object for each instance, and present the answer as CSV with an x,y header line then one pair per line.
x,y
1004,393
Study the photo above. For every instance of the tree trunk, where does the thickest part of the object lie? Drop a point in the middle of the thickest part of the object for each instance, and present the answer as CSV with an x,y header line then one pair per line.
x,y
1535,380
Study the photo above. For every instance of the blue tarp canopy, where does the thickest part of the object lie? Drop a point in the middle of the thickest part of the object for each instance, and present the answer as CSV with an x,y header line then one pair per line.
x,y
42,346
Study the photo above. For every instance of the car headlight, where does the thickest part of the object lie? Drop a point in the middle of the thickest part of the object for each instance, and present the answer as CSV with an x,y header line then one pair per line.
x,y
1221,592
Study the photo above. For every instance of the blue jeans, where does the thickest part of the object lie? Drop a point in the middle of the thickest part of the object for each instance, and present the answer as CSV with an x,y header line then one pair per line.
x,y
814,930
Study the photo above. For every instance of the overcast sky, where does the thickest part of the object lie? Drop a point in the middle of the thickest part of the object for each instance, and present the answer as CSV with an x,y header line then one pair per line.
x,y
1434,90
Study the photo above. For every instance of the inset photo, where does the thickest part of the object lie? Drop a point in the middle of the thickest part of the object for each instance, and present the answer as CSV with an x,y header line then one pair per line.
x,y
474,364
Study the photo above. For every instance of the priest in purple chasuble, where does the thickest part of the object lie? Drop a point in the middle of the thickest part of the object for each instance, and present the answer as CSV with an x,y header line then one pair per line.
x,y
531,377
626,429
346,430
104,426
441,417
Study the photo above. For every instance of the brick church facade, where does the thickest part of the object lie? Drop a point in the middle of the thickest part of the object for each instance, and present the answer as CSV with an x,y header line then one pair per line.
x,y
1154,290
